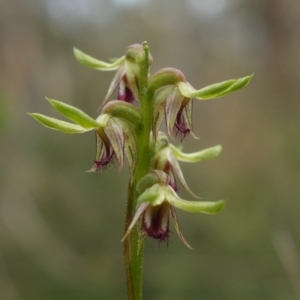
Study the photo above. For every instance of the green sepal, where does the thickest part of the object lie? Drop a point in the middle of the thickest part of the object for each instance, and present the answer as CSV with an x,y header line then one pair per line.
x,y
215,90
157,194
165,77
194,206
56,124
146,182
123,110
202,155
74,114
91,62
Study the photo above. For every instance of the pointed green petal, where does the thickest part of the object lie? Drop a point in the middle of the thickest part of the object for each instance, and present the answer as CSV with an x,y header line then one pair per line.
x,y
130,151
194,206
74,114
116,80
58,124
177,228
159,108
139,211
114,132
172,107
205,154
91,62
178,171
132,74
214,90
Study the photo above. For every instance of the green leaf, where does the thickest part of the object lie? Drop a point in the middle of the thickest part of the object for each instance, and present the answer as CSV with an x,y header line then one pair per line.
x,y
74,114
205,154
58,124
214,90
91,62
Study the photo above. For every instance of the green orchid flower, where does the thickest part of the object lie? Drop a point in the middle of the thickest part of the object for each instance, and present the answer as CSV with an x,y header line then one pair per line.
x,y
157,203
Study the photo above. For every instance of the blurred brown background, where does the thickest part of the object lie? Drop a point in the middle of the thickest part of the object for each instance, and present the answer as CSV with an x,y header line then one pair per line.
x,y
60,228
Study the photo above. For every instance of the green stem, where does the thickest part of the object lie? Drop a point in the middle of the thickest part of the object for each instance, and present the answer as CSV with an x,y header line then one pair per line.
x,y
133,247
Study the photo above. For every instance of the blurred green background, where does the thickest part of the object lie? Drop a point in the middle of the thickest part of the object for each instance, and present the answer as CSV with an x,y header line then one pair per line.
x,y
61,228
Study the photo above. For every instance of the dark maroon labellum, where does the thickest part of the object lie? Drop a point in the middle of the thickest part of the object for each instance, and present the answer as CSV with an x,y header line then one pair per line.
x,y
156,221
125,93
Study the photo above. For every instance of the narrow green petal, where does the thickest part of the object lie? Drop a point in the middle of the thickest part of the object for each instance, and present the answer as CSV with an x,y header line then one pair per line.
x,y
58,124
91,62
74,114
114,132
178,172
114,83
177,228
205,154
139,211
214,90
159,108
173,104
130,151
132,73
194,206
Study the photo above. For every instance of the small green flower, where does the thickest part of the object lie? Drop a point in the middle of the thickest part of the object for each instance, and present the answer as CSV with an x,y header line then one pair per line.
x,y
156,204
127,74
174,97
167,156
114,130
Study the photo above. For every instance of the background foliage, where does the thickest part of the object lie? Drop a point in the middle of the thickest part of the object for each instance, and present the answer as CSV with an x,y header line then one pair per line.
x,y
61,227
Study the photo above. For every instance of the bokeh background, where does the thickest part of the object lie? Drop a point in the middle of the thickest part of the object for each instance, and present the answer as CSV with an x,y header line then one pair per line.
x,y
60,228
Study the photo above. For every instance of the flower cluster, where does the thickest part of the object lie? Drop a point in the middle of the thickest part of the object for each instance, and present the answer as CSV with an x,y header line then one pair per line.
x,y
121,131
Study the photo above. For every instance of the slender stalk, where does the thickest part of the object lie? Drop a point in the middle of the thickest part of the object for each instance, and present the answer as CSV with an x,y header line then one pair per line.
x,y
133,248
